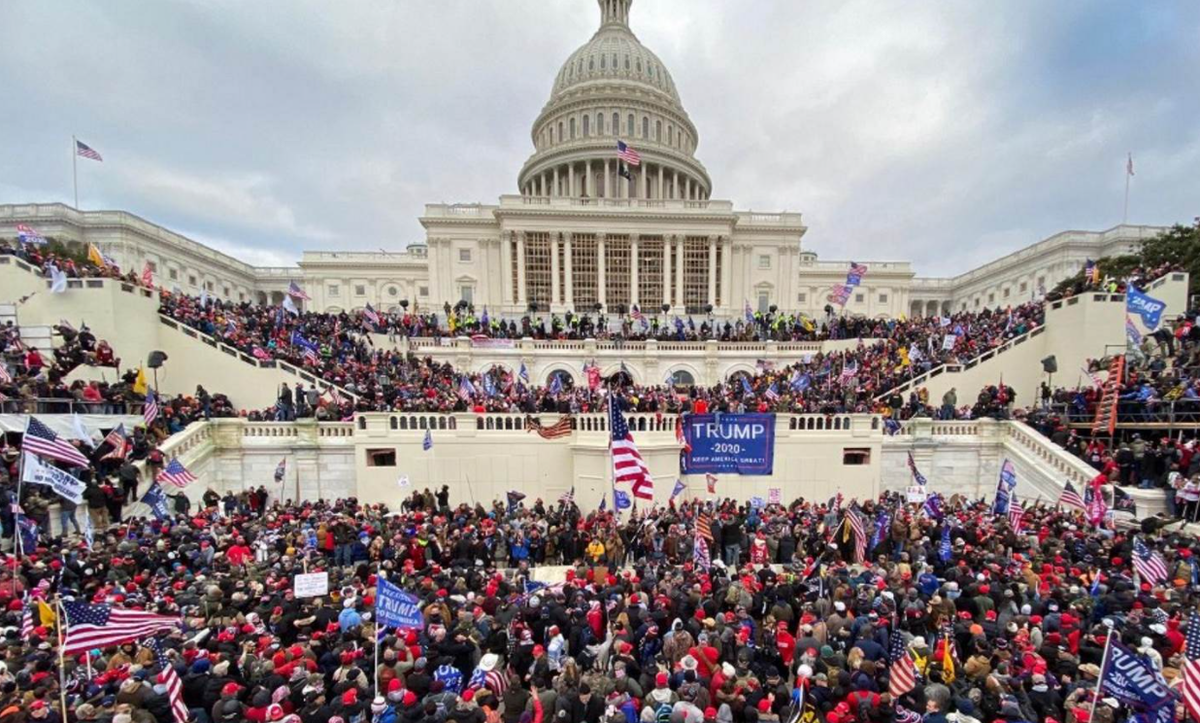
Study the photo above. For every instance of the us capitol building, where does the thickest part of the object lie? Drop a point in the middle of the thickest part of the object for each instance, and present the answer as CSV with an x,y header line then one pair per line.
x,y
589,228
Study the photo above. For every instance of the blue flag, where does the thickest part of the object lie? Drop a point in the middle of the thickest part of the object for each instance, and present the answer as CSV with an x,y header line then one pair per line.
x,y
945,549
882,524
29,533
1150,309
428,443
801,382
1134,681
933,506
489,386
1095,591
556,386
394,606
621,500
746,385
679,488
524,373
156,500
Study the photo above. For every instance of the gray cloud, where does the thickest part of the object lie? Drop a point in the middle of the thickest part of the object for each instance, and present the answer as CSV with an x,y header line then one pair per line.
x,y
946,133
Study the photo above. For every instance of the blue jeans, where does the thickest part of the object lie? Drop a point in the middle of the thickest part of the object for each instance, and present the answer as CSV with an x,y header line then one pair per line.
x,y
65,516
342,555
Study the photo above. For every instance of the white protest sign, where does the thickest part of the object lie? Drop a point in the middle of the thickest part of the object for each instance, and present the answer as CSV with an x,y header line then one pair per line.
x,y
312,584
916,494
948,342
64,485
775,496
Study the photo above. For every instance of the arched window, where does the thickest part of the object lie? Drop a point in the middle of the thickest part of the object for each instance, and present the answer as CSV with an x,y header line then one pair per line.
x,y
616,126
572,129
670,135
591,64
629,126
560,133
599,124
682,378
621,378
658,131
639,65
587,126
645,126
603,62
564,378
626,62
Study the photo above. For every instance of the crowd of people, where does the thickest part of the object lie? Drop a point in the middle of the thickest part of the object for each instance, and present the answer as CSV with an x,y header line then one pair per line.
x,y
701,612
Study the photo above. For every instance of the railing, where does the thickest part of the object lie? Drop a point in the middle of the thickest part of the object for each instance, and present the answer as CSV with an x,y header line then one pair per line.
x,y
55,405
194,435
10,260
1132,414
668,204
956,367
250,359
1069,467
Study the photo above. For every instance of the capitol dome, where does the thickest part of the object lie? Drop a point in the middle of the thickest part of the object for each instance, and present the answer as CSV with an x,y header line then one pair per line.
x,y
613,89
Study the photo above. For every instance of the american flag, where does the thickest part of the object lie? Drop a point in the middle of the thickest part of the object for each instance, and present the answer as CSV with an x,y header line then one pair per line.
x,y
1148,563
848,372
27,625
494,680
772,393
83,149
904,715
627,154
568,497
700,557
147,275
169,678
371,315
561,428
27,235
42,441
628,465
711,481
636,314
858,269
150,408
1016,514
1070,497
5,377
175,473
296,292
99,626
1191,666
903,673
704,525
115,440
917,476
855,520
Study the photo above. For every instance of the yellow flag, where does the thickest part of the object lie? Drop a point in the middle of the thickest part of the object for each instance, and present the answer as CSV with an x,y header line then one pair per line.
x,y
904,361
947,663
95,256
46,613
139,386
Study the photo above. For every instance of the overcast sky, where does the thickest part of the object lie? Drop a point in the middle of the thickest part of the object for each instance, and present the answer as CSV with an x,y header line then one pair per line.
x,y
945,133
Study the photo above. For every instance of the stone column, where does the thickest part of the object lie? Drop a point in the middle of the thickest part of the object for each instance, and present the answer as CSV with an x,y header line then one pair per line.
x,y
555,290
679,272
554,188
601,272
662,195
727,272
633,270
667,245
675,186
687,188
505,270
607,180
571,181
712,270
570,270
522,299
644,191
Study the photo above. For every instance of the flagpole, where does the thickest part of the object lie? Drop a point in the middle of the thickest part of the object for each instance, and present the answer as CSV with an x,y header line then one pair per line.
x,y
1125,212
75,171
60,623
1100,678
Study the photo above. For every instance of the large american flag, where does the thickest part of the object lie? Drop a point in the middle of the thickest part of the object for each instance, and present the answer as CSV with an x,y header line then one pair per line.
x,y
170,679
1191,666
903,673
42,441
1148,563
116,442
627,154
561,428
1070,498
855,520
704,525
628,465
175,473
27,625
296,292
98,626
83,149
1016,514
150,408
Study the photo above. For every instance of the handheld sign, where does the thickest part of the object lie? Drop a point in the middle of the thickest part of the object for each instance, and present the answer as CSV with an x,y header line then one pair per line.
x,y
313,584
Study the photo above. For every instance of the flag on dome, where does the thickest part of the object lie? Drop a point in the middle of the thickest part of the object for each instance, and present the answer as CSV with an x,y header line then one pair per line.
x,y
627,154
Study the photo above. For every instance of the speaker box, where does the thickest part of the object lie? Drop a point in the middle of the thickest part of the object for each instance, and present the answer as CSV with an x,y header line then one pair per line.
x,y
1050,364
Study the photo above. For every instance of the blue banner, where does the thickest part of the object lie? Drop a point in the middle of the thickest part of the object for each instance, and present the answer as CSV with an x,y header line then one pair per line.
x,y
156,500
395,607
1150,309
729,444
1132,679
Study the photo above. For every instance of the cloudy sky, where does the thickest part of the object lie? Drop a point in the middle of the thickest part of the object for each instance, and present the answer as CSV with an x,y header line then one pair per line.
x,y
944,132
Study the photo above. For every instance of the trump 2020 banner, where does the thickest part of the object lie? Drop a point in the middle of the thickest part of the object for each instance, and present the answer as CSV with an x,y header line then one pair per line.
x,y
1145,306
729,444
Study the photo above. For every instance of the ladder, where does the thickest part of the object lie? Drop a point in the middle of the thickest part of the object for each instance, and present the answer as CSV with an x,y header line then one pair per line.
x,y
1106,408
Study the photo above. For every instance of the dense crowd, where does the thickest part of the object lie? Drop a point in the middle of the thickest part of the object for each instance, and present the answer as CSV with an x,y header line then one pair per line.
x,y
33,379
775,613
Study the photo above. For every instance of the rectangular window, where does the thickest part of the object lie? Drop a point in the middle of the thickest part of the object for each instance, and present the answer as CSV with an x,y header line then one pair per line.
x,y
153,267
583,259
537,269
334,289
991,298
649,276
802,298
208,285
1041,281
467,294
381,458
883,298
173,274
360,290
241,296
226,292
856,456
617,253
764,262
764,302
1006,293
464,255
1024,286
858,298
423,291
192,280
695,271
